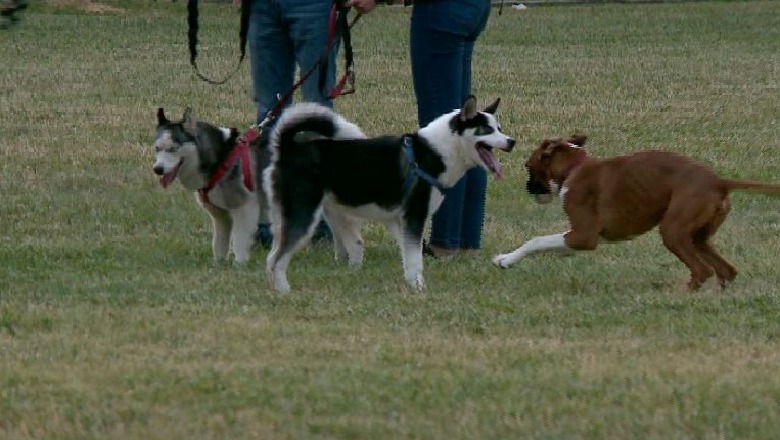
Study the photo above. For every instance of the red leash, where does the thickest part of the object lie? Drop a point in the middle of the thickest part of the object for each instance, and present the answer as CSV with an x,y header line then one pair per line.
x,y
241,151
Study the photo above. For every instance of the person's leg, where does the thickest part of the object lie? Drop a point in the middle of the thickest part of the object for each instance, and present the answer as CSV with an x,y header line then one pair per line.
x,y
309,24
271,55
474,198
436,57
309,21
475,185
272,66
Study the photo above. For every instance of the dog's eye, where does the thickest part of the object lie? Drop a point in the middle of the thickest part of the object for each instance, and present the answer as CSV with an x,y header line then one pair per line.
x,y
157,148
170,150
483,131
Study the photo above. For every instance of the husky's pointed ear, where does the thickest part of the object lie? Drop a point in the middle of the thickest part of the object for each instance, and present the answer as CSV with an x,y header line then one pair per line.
x,y
161,119
189,122
469,109
492,107
578,139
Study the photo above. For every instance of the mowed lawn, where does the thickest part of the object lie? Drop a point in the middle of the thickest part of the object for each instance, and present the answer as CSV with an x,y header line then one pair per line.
x,y
116,324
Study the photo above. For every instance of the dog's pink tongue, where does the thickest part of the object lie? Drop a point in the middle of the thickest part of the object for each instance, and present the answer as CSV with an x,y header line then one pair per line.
x,y
491,162
167,178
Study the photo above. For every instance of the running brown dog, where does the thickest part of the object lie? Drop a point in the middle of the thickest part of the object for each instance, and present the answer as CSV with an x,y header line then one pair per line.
x,y
620,198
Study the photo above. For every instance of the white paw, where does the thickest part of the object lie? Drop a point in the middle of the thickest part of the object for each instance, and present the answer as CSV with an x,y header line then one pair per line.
x,y
282,287
279,282
417,281
503,261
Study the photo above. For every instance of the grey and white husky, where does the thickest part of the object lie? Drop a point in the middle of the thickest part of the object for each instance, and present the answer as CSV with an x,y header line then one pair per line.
x,y
396,180
208,160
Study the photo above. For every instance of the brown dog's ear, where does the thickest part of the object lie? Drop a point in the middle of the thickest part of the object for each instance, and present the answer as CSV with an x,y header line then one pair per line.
x,y
578,139
469,109
492,107
548,146
161,119
189,123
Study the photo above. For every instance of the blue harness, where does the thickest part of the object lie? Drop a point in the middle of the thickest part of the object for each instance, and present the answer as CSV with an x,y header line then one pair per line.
x,y
415,172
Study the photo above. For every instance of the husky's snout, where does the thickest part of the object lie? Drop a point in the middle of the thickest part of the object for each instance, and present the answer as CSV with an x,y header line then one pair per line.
x,y
159,170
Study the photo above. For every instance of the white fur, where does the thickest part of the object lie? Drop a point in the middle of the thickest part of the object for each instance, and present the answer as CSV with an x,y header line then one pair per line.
x,y
225,132
546,243
562,193
306,110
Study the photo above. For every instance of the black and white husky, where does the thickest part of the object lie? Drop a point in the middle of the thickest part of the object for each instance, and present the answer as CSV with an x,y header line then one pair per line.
x,y
210,161
397,180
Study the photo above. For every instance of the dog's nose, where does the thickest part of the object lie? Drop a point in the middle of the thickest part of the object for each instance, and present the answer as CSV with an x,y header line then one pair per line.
x,y
510,143
158,169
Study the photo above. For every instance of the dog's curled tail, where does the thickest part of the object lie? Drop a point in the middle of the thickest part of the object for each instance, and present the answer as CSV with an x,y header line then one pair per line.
x,y
753,187
315,120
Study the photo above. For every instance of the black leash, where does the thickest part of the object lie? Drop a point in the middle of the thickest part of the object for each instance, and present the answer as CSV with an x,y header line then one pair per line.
x,y
192,34
340,30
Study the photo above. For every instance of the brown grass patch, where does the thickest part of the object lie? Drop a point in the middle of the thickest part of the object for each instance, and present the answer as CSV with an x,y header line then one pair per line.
x,y
87,6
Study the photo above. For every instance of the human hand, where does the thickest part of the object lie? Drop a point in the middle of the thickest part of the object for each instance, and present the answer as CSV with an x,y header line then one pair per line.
x,y
362,6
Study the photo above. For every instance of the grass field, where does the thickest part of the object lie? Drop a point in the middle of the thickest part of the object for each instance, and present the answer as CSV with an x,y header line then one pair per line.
x,y
114,322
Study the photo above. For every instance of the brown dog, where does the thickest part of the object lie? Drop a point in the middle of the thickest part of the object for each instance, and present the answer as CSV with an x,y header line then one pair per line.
x,y
623,197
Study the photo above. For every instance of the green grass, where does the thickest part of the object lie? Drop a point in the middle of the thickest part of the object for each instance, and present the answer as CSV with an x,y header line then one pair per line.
x,y
114,322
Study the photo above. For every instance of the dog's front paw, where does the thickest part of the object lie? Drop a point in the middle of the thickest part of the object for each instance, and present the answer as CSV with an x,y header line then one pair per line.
x,y
504,261
417,281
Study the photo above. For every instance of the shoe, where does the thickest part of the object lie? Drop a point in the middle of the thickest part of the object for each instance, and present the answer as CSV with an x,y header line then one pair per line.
x,y
322,234
263,236
469,251
437,252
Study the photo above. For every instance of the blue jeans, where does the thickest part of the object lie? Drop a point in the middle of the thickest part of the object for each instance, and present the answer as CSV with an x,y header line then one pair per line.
x,y
284,34
281,35
442,40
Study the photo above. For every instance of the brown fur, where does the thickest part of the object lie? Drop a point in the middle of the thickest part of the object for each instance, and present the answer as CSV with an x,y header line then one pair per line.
x,y
622,197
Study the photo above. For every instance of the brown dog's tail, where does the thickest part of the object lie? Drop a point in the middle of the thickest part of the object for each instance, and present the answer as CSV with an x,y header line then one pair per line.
x,y
753,187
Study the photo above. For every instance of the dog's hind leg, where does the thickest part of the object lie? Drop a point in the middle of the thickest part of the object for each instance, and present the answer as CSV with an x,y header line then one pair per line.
x,y
245,220
291,230
725,272
347,241
685,216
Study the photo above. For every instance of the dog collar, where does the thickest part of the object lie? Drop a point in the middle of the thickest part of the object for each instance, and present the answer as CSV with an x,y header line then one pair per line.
x,y
242,151
415,171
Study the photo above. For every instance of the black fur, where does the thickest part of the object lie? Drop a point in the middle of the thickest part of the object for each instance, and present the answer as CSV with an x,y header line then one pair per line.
x,y
459,126
357,172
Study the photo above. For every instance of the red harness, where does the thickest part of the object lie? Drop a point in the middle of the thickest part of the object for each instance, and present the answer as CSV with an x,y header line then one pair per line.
x,y
242,151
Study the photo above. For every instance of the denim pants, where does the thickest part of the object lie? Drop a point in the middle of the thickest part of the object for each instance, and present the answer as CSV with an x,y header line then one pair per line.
x,y
284,34
442,40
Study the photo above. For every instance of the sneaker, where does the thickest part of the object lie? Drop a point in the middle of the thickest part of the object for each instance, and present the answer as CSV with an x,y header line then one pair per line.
x,y
263,236
437,252
322,234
